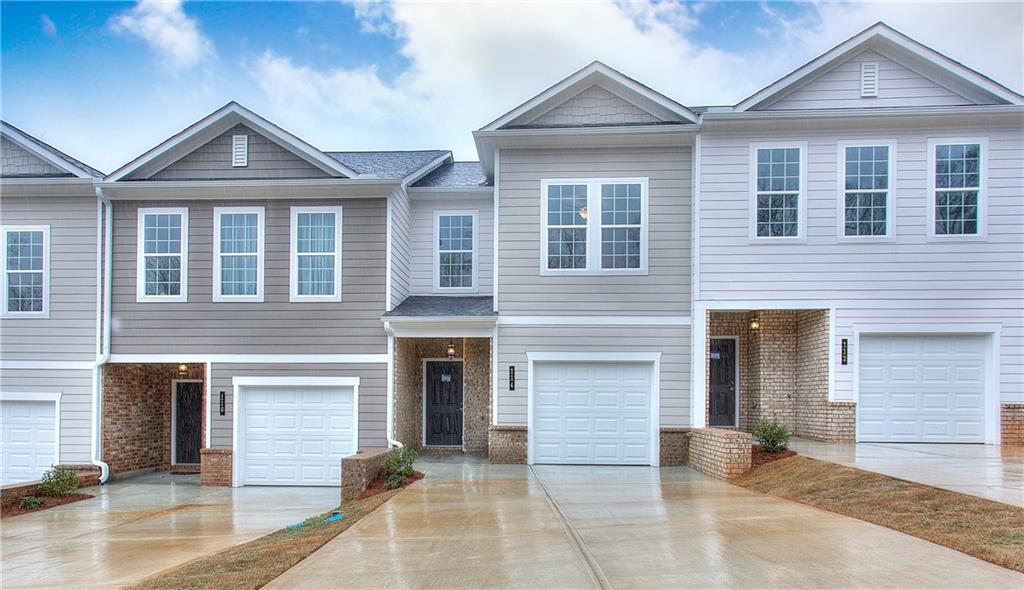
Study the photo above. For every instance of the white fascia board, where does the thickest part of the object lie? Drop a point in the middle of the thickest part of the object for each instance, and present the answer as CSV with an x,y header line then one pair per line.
x,y
333,188
249,358
881,113
411,178
439,192
27,143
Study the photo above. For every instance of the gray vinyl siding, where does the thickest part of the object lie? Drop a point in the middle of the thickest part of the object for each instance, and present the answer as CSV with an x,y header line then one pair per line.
x,y
212,161
275,326
400,246
898,86
75,387
907,279
372,395
665,290
594,106
514,342
69,333
17,161
423,273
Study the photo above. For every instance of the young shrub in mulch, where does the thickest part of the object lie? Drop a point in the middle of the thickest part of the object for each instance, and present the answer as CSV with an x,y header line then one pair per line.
x,y
773,436
57,486
398,473
759,456
58,481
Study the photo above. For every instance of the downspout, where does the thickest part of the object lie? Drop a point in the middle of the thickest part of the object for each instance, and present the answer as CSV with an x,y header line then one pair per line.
x,y
104,249
390,412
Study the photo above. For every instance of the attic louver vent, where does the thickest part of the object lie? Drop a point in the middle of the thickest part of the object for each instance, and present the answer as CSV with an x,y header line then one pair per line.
x,y
869,79
240,150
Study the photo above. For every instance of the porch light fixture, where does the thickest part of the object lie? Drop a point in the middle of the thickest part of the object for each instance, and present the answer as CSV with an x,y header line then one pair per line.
x,y
182,370
451,350
755,325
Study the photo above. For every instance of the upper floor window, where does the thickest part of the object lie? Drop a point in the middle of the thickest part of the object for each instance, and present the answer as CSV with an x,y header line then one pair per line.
x,y
26,270
866,174
778,178
162,255
594,225
956,181
315,254
455,251
238,254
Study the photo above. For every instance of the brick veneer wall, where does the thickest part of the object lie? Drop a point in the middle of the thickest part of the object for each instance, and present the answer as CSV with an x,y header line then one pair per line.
x,y
675,446
137,414
1011,423
507,444
358,471
216,467
720,453
773,352
476,394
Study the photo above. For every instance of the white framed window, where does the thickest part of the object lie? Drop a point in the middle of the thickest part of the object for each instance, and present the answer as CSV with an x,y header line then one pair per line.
x,y
162,268
26,280
865,183
594,226
778,191
957,207
455,251
238,246
315,269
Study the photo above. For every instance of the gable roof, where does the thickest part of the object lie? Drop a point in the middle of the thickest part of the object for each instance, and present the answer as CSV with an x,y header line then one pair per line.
x,y
48,153
391,164
601,75
894,44
209,127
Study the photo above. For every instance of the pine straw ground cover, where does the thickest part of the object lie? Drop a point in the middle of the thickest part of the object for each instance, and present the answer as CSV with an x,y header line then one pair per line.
x,y
254,564
988,530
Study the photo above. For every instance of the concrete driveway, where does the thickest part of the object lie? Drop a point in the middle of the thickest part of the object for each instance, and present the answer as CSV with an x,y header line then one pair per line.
x,y
989,471
473,525
138,527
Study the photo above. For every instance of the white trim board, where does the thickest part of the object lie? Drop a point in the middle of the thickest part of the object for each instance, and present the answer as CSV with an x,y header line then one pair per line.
x,y
585,320
248,358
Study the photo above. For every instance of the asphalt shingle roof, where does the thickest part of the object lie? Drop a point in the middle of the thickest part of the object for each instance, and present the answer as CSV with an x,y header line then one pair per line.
x,y
454,174
442,306
391,164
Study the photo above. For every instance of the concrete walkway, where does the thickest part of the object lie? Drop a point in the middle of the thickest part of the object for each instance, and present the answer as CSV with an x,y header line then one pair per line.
x,y
474,525
989,471
138,527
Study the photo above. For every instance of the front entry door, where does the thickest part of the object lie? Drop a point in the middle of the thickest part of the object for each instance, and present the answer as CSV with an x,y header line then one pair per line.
x,y
188,420
443,403
723,382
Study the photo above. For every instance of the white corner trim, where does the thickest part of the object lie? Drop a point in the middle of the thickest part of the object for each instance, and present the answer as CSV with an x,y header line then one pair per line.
x,y
218,256
802,193
388,248
695,206
208,386
249,358
475,253
496,238
584,320
494,376
293,266
698,369
45,313
140,256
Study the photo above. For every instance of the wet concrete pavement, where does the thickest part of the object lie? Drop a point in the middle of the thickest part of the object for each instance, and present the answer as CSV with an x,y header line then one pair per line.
x,y
989,471
474,525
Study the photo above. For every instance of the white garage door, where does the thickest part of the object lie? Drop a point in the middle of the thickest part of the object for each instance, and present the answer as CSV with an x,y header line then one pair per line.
x,y
918,388
295,435
592,413
28,442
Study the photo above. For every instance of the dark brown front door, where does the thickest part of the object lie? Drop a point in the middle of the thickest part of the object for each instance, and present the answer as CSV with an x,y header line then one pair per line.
x,y
443,402
188,421
723,382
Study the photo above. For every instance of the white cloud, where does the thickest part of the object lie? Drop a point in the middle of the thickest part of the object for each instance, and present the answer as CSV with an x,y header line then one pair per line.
x,y
169,32
48,26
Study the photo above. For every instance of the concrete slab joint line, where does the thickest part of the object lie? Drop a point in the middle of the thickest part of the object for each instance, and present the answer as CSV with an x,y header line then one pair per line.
x,y
597,574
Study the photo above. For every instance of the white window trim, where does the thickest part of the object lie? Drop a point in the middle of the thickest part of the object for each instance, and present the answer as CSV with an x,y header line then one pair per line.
x,y
45,313
260,249
982,234
801,217
593,227
475,214
140,268
890,199
293,273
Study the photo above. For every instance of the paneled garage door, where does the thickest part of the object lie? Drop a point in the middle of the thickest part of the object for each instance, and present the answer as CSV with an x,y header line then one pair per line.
x,y
28,440
591,413
295,435
922,388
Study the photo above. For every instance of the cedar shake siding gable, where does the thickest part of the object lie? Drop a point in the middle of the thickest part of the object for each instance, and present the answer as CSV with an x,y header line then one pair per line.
x,y
594,106
16,161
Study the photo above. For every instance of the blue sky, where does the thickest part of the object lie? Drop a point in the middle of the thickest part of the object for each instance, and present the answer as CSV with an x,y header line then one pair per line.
x,y
106,81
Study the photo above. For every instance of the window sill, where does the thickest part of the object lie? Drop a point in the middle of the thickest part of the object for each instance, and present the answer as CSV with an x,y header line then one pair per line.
x,y
157,299
25,315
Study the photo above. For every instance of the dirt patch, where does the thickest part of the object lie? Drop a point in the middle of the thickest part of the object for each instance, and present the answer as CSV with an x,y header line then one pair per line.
x,y
988,530
759,456
377,485
15,509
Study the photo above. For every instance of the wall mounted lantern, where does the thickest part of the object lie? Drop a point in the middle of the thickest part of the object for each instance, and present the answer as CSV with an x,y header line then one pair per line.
x,y
755,325
182,370
451,350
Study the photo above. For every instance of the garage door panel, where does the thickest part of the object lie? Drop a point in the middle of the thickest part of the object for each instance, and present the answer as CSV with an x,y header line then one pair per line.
x,y
28,439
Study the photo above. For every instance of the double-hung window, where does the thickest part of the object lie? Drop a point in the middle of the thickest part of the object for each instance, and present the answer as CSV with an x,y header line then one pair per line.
x,y
26,280
238,253
865,194
455,251
956,187
162,255
594,226
778,178
315,254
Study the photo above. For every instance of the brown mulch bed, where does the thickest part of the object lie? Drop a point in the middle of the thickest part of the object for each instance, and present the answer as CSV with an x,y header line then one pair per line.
x,y
759,457
15,509
377,485
981,528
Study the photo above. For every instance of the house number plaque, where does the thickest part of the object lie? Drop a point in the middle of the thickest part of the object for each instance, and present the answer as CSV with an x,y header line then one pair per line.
x,y
512,378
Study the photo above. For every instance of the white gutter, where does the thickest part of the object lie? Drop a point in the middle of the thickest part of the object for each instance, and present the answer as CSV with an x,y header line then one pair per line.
x,y
801,114
104,248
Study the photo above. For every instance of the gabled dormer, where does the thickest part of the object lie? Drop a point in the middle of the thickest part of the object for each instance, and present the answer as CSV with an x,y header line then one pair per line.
x,y
25,157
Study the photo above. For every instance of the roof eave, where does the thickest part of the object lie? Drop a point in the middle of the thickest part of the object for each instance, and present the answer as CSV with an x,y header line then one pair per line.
x,y
32,145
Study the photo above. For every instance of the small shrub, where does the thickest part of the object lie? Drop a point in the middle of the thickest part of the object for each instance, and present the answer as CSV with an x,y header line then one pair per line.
x,y
393,481
774,437
30,502
399,463
58,481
